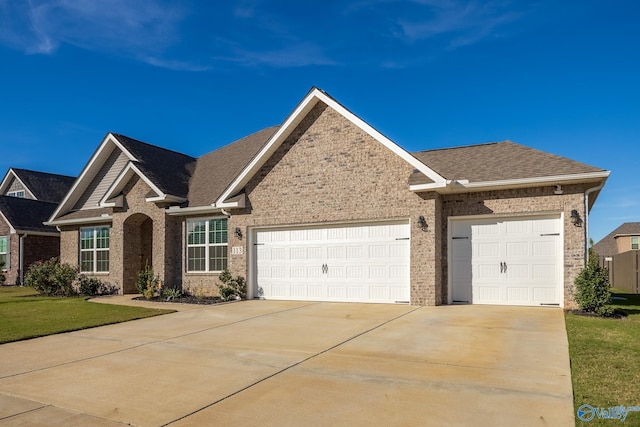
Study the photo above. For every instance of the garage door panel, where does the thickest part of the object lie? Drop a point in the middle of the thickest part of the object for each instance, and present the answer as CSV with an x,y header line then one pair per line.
x,y
517,249
517,271
343,263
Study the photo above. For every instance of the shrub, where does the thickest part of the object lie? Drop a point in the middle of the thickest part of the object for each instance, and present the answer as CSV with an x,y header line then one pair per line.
x,y
147,282
593,293
231,287
171,293
94,287
51,278
3,278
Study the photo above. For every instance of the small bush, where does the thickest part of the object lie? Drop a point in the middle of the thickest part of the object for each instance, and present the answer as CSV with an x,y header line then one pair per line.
x,y
147,283
593,293
51,278
231,287
3,278
94,287
171,293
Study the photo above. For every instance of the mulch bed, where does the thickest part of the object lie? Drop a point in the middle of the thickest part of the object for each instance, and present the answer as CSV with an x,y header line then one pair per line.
x,y
185,300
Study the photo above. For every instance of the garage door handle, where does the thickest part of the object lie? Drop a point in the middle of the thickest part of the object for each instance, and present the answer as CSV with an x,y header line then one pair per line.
x,y
325,268
501,267
505,267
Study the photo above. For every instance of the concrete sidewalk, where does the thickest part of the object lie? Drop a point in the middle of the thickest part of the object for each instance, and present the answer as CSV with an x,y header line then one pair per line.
x,y
297,363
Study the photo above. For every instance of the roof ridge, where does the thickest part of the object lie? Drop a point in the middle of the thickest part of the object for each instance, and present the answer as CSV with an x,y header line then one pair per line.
x,y
152,145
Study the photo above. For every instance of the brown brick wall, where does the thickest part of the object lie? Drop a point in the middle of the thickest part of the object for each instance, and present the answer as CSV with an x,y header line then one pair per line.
x,y
525,201
138,232
330,171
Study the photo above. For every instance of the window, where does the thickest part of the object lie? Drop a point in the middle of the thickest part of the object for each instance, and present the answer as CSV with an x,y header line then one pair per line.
x,y
4,252
635,244
94,250
19,194
207,244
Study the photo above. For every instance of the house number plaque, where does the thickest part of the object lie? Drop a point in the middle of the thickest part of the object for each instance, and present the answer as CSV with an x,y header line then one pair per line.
x,y
237,250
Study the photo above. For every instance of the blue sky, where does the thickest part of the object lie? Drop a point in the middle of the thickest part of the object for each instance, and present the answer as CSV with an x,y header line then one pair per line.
x,y
560,76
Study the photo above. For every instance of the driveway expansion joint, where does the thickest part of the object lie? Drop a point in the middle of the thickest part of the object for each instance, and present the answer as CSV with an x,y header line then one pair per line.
x,y
293,365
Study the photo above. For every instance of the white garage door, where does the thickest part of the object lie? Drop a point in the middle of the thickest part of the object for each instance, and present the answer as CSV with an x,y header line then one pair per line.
x,y
359,263
511,261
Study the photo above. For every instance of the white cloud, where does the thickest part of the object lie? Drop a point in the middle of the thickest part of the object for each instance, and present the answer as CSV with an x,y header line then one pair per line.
x,y
467,22
117,26
293,55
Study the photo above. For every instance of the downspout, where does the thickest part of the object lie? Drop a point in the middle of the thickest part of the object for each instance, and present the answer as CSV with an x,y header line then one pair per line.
x,y
586,219
21,258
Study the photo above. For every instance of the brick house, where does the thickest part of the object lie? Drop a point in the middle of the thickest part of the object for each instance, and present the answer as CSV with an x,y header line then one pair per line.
x,y
623,239
27,200
324,207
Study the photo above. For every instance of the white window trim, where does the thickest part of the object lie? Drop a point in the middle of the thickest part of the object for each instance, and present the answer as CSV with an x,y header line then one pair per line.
x,y
94,250
7,253
18,193
205,245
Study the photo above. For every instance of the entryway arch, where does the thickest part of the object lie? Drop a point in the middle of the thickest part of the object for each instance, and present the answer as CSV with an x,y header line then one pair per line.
x,y
137,249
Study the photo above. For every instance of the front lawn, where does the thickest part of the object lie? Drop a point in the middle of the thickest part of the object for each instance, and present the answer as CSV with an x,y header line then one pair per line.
x,y
24,314
605,360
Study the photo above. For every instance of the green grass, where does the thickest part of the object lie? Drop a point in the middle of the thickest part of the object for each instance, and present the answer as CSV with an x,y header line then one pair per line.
x,y
24,314
605,360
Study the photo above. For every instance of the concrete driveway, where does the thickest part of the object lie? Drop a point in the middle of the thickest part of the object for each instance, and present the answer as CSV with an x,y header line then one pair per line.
x,y
297,363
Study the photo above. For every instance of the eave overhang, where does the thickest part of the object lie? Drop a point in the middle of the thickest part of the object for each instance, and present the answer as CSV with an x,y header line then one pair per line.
x,y
236,202
102,219
464,186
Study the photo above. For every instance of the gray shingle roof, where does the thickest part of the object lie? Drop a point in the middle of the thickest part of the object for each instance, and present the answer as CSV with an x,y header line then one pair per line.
x,y
215,171
27,214
167,169
607,246
498,161
46,187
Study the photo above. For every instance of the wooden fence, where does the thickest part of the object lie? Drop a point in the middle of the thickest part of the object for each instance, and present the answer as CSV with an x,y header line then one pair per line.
x,y
624,272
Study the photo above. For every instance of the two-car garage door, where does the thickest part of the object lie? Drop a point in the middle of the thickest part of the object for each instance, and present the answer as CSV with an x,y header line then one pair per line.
x,y
351,262
510,261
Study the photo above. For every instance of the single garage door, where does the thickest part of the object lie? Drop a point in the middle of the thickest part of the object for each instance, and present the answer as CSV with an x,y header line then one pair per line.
x,y
509,261
353,262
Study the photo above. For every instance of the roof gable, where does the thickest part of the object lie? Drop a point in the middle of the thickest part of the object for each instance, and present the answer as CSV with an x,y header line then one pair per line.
x,y
607,246
113,164
26,215
299,113
46,187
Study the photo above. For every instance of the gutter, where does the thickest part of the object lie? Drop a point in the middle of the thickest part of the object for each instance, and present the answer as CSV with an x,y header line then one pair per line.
x,y
462,185
92,220
21,258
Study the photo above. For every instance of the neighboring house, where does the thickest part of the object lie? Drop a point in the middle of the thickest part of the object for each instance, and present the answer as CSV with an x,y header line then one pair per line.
x,y
623,239
27,200
326,208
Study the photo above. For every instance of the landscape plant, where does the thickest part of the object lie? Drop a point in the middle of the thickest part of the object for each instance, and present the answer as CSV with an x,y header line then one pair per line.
x,y
170,294
3,278
593,291
147,282
92,286
51,278
231,287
